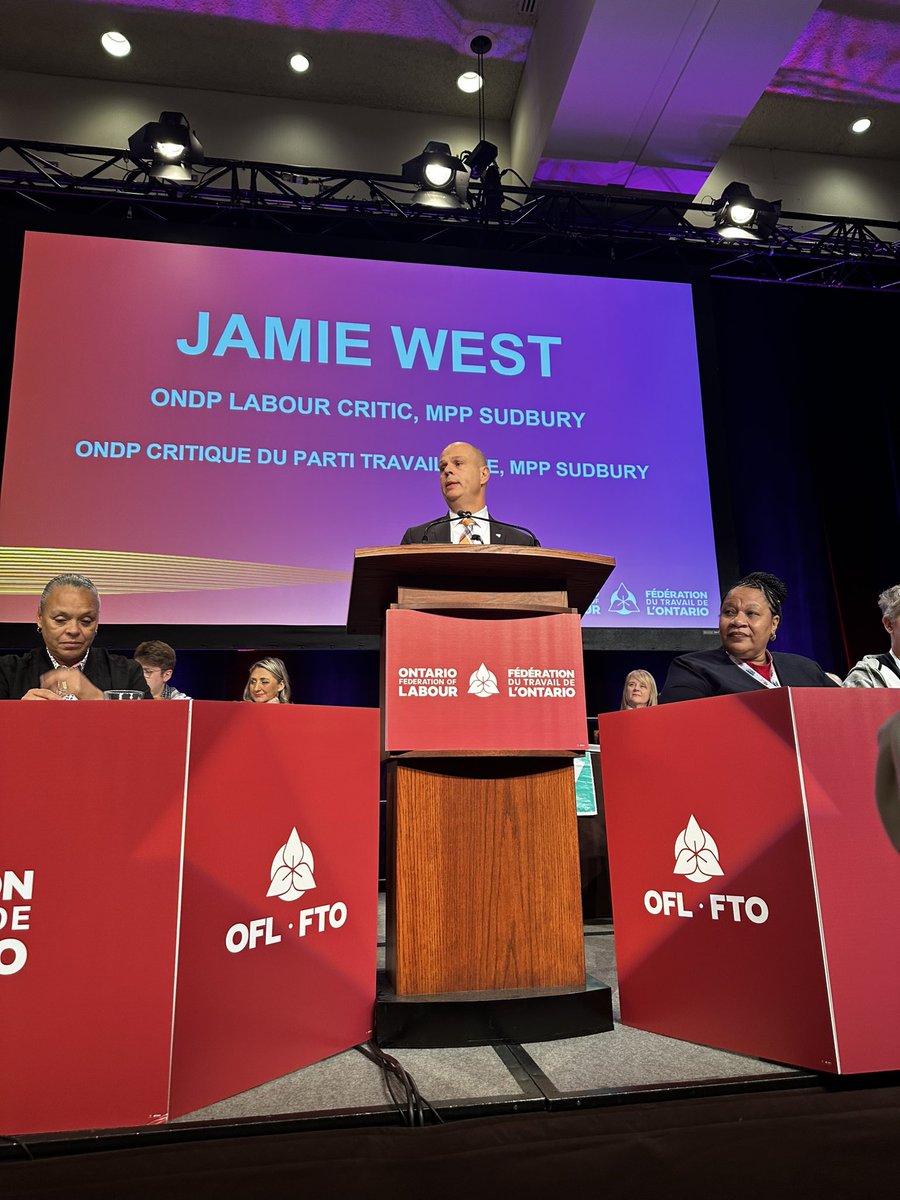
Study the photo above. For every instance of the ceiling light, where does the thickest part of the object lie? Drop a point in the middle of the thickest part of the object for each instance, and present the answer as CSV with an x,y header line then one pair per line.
x,y
861,126
167,148
469,81
115,44
299,63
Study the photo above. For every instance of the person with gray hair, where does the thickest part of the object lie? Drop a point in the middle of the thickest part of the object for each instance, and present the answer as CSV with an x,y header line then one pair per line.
x,y
882,670
68,666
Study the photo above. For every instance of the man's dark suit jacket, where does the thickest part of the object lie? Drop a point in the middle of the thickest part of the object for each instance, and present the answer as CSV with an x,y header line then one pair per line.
x,y
105,671
712,673
501,535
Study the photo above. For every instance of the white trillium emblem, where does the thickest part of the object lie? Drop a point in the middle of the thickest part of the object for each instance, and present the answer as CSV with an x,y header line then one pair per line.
x,y
696,854
483,682
292,870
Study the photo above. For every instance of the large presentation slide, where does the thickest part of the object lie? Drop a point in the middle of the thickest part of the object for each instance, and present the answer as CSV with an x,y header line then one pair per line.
x,y
210,432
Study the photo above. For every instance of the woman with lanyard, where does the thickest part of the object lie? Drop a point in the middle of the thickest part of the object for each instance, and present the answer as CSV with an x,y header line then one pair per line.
x,y
748,621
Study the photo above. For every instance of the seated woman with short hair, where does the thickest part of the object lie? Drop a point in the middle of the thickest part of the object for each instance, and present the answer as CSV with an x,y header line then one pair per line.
x,y
748,620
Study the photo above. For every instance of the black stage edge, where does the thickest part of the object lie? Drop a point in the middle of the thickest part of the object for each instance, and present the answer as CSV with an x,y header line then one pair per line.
x,y
801,1144
485,1018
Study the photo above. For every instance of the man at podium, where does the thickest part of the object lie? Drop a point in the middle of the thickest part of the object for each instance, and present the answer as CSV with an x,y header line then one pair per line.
x,y
464,475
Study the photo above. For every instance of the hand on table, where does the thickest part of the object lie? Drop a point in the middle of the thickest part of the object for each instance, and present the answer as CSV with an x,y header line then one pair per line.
x,y
69,681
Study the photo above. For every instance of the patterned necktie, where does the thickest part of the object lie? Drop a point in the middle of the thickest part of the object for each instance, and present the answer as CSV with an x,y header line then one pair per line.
x,y
467,531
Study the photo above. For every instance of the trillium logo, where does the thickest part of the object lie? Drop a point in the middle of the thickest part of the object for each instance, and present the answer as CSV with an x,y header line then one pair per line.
x,y
292,870
696,854
483,682
622,601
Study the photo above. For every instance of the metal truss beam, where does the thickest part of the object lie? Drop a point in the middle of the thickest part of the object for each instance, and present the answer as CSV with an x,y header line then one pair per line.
x,y
629,233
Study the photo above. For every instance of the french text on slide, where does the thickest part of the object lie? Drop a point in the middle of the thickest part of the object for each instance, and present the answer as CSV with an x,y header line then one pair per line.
x,y
282,456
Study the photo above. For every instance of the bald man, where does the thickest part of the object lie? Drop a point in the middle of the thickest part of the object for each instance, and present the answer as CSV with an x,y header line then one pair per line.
x,y
464,476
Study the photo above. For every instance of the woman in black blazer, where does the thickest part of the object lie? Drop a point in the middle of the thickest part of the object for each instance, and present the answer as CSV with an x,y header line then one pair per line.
x,y
748,621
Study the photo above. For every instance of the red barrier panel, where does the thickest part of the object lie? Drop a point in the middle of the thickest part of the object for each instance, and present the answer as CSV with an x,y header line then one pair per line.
x,y
453,683
756,897
188,903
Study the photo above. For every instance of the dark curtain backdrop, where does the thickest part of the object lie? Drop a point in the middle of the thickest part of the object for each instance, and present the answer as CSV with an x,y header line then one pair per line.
x,y
804,425
812,421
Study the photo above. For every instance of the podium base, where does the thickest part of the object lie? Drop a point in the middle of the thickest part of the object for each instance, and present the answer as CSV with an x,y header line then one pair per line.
x,y
483,1018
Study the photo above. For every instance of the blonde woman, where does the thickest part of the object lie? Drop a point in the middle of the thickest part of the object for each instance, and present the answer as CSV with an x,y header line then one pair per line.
x,y
268,683
639,691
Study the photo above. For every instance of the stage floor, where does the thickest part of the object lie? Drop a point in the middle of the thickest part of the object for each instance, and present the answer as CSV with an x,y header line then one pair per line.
x,y
605,1067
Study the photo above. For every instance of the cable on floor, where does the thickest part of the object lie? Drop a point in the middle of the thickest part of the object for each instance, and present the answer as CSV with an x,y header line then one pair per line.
x,y
402,1088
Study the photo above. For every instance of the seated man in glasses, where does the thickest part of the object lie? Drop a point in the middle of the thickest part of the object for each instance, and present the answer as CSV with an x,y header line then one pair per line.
x,y
157,661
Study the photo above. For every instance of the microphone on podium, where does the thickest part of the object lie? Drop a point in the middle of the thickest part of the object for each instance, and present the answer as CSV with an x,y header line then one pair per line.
x,y
475,537
443,521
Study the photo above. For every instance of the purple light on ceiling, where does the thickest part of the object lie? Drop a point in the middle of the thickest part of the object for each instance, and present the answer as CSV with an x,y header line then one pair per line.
x,y
424,21
683,181
843,57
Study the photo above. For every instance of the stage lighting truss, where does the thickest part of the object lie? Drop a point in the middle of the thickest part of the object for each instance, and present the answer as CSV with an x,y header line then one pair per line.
x,y
632,233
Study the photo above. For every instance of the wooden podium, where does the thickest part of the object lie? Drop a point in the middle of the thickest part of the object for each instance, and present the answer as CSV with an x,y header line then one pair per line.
x,y
482,713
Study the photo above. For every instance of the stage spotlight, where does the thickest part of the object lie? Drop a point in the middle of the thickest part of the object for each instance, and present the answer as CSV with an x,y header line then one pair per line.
x,y
442,177
482,165
479,159
741,216
170,147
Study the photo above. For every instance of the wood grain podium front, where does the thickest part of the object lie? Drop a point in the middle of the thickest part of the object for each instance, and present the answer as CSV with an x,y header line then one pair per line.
x,y
482,713
485,889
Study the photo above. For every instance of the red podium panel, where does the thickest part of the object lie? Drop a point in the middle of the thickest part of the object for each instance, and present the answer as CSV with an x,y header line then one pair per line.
x,y
756,896
201,888
297,971
453,683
